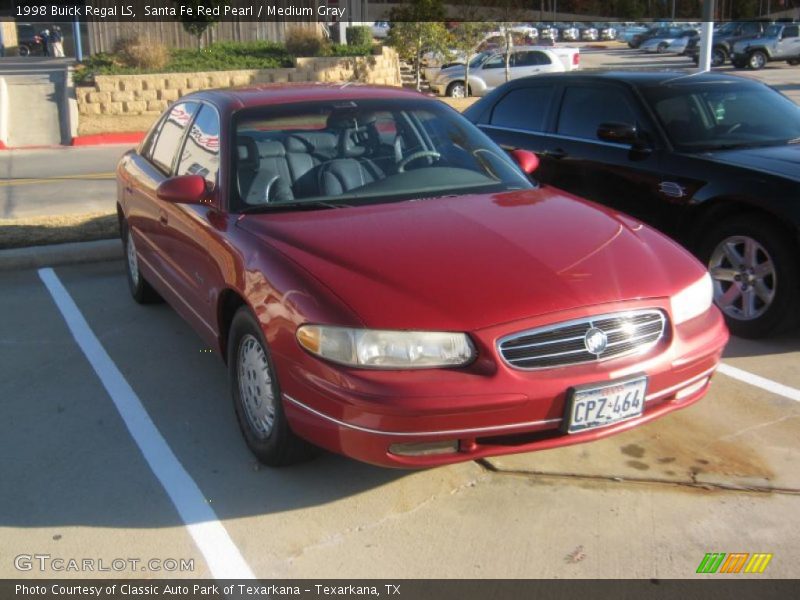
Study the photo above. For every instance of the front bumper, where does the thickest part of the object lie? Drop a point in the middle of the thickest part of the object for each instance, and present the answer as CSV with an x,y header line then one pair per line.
x,y
487,409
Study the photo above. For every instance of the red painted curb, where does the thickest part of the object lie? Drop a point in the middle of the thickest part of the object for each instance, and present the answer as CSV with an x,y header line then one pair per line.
x,y
2,146
109,138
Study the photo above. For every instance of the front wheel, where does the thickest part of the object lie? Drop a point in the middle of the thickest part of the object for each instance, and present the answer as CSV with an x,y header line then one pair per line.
x,y
757,60
141,290
23,50
754,270
257,397
718,57
457,89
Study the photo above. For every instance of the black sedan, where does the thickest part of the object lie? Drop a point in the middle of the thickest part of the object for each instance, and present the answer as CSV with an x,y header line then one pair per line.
x,y
712,160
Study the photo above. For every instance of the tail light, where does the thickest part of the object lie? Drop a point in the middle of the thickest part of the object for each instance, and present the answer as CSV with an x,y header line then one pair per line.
x,y
576,58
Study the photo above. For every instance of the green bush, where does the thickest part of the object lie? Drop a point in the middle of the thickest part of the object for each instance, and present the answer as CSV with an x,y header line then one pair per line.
x,y
304,41
360,35
222,56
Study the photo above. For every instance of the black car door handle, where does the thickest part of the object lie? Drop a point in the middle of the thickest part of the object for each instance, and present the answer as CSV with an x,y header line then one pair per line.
x,y
557,153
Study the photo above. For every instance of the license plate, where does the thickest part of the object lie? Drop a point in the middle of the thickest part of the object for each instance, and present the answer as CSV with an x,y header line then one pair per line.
x,y
598,405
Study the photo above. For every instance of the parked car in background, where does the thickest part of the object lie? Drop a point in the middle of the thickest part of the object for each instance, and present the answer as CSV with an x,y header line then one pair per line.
x,y
780,42
29,42
568,32
631,31
588,32
487,71
680,44
606,31
547,31
713,160
662,45
380,29
383,281
724,38
656,32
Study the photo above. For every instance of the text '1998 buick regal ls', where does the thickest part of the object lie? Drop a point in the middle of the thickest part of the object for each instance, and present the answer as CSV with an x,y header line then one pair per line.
x,y
387,283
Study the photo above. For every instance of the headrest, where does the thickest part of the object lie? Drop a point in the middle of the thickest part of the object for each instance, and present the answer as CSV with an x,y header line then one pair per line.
x,y
349,119
246,150
318,142
270,149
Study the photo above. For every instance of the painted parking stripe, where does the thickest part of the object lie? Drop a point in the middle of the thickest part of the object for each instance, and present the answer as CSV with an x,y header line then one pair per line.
x,y
760,382
223,557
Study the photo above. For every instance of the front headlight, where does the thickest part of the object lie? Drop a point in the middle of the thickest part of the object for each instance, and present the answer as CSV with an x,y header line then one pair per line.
x,y
692,301
377,349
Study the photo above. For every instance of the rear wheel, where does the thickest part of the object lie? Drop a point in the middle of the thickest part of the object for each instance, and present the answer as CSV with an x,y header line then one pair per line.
x,y
754,269
718,57
23,50
457,89
141,290
757,59
257,397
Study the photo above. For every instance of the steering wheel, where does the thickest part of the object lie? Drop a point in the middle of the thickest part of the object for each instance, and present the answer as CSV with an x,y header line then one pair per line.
x,y
401,167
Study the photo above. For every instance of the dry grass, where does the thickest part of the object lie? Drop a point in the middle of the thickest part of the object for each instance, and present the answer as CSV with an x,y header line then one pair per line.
x,y
95,124
40,231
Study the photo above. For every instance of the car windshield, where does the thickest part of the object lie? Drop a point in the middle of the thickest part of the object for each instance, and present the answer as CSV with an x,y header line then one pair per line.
x,y
773,31
354,152
478,59
727,28
713,116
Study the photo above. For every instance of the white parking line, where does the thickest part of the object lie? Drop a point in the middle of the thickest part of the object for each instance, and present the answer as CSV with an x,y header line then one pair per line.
x,y
761,382
223,557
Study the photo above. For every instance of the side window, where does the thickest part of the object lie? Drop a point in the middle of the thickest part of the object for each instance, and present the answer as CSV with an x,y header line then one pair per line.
x,y
168,139
791,31
530,59
201,151
523,108
498,61
750,29
585,108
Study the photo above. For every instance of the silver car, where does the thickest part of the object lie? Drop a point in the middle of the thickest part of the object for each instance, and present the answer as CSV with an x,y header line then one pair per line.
x,y
487,71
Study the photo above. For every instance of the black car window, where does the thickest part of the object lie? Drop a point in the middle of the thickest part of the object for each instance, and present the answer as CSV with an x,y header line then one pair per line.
x,y
585,108
791,31
201,151
531,58
523,108
167,139
750,29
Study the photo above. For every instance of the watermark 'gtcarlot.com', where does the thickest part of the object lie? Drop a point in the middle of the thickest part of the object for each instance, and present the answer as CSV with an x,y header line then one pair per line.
x,y
45,563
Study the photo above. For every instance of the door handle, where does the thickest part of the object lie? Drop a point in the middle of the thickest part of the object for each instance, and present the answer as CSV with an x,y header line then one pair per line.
x,y
162,218
128,189
558,153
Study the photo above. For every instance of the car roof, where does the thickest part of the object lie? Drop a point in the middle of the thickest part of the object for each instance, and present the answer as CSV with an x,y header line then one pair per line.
x,y
286,93
644,78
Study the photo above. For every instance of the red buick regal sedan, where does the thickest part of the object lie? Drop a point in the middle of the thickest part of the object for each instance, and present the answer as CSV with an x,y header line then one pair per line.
x,y
385,282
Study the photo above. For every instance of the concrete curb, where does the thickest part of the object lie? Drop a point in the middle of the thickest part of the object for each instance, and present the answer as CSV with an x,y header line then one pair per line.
x,y
35,257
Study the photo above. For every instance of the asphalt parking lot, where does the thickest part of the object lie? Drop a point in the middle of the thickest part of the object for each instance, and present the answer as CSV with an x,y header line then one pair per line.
x,y
120,442
720,476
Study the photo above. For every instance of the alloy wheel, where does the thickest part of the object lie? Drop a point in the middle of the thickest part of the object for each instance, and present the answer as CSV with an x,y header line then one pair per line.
x,y
744,277
458,90
757,60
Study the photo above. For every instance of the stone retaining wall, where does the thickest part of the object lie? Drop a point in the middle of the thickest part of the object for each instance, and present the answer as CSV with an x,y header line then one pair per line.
x,y
152,93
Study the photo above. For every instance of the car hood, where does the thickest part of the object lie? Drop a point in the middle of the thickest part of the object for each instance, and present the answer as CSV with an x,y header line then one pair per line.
x,y
783,161
467,262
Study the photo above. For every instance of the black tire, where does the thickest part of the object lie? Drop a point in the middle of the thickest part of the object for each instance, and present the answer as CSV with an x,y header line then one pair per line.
x,y
719,57
141,290
793,62
739,63
23,50
275,444
453,90
757,59
777,246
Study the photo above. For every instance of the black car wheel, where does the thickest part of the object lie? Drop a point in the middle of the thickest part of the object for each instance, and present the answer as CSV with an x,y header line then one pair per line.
x,y
754,269
757,59
23,50
457,89
141,290
718,57
257,397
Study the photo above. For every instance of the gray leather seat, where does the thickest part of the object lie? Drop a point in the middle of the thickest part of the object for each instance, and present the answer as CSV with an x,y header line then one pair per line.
x,y
273,181
344,174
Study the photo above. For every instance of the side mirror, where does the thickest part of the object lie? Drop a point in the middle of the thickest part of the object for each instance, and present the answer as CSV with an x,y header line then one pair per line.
x,y
184,189
526,159
618,133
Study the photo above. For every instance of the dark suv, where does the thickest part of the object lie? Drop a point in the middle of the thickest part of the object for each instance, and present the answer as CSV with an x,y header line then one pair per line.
x,y
724,39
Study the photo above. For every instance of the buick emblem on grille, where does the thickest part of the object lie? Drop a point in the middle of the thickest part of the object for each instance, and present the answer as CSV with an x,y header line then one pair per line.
x,y
595,341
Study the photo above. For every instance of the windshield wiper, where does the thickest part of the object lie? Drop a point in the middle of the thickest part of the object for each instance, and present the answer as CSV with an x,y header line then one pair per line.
x,y
299,205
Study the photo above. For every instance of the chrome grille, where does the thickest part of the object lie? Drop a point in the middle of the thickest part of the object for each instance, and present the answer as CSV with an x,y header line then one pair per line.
x,y
566,343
